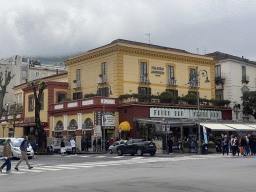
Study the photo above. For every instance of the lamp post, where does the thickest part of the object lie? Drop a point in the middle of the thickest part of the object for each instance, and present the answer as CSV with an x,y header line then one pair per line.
x,y
4,123
165,128
195,81
103,113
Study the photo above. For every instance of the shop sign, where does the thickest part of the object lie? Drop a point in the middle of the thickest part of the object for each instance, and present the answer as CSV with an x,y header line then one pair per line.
x,y
110,131
97,130
157,70
58,128
108,119
108,101
97,118
184,113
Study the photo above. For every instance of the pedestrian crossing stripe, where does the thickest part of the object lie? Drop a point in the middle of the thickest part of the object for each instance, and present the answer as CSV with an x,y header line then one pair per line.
x,y
38,168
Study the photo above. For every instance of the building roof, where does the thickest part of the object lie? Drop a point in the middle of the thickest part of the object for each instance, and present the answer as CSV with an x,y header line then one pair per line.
x,y
147,45
222,56
44,78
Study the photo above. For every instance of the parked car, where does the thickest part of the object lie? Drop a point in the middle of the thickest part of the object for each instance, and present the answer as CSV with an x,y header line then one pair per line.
x,y
112,148
15,146
56,145
136,146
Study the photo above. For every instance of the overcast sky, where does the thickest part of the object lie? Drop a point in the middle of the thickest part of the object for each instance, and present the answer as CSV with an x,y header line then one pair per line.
x,y
64,27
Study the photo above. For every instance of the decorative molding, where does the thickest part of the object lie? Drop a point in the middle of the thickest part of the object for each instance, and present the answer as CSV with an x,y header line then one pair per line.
x,y
61,106
74,104
87,102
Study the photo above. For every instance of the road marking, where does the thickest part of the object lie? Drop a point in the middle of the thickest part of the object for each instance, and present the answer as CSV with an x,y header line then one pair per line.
x,y
86,156
47,168
100,156
118,157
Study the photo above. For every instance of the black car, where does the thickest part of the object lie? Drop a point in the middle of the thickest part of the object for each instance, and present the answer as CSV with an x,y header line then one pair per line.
x,y
136,146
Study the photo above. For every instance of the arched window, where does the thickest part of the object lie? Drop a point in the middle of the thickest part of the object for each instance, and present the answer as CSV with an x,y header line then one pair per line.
x,y
59,125
88,123
73,124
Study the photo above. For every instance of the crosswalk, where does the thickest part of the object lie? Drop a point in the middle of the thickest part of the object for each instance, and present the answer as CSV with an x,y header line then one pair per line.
x,y
40,168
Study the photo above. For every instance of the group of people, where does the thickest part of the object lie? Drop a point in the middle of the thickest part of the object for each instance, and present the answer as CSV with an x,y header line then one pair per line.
x,y
98,144
246,145
7,155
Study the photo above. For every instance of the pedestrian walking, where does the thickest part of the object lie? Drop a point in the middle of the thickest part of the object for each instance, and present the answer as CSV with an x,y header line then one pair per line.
x,y
62,149
7,154
83,145
170,143
99,144
94,145
23,148
73,146
252,143
244,144
224,142
86,144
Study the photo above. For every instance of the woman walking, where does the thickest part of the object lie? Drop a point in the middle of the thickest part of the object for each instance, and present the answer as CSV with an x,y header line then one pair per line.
x,y
7,152
62,149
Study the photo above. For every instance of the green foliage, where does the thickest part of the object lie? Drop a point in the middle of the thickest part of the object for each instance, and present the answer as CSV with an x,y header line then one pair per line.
x,y
190,99
220,103
126,135
211,145
166,97
249,102
65,99
89,95
142,130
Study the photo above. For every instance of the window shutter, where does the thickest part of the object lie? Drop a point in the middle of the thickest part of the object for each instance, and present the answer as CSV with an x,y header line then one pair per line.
x,y
149,91
74,96
140,90
79,95
176,93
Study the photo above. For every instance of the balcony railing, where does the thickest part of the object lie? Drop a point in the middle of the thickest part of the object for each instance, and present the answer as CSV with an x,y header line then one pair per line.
x,y
172,82
245,79
77,85
220,78
145,79
102,79
193,85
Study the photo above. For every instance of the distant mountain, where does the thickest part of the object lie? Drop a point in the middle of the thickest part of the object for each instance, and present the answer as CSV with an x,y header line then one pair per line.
x,y
52,60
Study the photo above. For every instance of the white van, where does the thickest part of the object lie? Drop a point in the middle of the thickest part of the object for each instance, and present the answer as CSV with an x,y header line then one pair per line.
x,y
15,145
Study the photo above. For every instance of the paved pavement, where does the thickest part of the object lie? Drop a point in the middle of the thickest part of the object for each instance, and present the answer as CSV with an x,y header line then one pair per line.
x,y
110,173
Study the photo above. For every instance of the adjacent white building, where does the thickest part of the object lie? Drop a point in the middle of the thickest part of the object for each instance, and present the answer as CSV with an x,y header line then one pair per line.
x,y
25,70
233,76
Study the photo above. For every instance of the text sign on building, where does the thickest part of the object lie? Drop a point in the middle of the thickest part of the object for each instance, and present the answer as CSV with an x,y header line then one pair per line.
x,y
87,102
108,101
184,113
97,130
108,120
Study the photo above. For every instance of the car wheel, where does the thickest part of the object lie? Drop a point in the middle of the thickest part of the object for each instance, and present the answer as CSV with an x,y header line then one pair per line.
x,y
119,152
152,153
139,152
110,151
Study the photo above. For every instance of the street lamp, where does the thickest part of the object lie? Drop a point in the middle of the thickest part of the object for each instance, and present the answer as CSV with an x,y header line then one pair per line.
x,y
194,82
4,123
166,132
103,94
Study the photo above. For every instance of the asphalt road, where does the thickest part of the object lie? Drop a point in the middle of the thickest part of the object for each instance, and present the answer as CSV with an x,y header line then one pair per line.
x,y
111,173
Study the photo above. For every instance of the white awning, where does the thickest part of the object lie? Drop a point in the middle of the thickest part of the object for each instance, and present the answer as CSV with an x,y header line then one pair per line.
x,y
217,127
241,127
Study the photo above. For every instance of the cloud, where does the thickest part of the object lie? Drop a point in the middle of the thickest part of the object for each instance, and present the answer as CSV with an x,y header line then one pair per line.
x,y
48,27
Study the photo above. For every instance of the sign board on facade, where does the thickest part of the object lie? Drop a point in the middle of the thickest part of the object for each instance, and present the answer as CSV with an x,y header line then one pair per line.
x,y
163,128
184,113
120,130
108,101
97,130
87,102
108,119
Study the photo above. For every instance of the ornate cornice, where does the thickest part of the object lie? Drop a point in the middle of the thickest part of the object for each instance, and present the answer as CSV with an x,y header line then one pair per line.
x,y
115,48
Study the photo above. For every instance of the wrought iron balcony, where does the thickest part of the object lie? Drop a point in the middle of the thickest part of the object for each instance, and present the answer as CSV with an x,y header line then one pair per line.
x,y
172,82
245,79
145,79
77,85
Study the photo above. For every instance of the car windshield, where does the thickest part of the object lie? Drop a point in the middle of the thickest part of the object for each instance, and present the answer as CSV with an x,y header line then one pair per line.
x,y
16,142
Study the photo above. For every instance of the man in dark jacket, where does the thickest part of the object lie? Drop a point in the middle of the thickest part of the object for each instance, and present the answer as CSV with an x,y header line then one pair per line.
x,y
7,153
23,148
225,143
170,143
252,143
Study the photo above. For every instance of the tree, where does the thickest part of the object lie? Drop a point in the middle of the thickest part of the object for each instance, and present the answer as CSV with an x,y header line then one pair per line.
x,y
249,103
40,86
15,110
166,97
4,82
